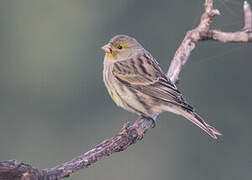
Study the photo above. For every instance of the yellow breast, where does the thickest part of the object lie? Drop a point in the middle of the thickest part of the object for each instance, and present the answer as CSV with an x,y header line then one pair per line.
x,y
112,88
115,97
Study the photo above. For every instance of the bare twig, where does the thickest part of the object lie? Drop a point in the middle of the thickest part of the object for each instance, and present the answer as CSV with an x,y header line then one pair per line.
x,y
244,35
15,170
191,39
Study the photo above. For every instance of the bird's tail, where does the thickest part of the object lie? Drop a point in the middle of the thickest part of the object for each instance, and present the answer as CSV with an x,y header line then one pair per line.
x,y
197,120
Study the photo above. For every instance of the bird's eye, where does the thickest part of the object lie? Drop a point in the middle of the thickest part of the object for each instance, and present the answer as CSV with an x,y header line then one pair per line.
x,y
119,47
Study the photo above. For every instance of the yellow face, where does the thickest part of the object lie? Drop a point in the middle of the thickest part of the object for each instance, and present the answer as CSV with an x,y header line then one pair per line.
x,y
121,47
116,48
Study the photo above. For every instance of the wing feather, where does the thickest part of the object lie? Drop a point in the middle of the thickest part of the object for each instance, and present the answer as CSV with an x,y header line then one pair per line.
x,y
144,74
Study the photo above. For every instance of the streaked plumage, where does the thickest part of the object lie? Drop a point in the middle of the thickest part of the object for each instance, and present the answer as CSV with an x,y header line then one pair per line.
x,y
136,83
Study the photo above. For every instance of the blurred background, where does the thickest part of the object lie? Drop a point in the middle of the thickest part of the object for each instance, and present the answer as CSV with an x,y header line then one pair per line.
x,y
54,106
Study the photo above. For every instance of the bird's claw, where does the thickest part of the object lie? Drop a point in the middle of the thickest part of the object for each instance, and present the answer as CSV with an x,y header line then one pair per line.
x,y
140,133
153,122
123,131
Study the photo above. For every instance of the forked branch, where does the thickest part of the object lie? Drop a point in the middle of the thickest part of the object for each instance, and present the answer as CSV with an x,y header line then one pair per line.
x,y
15,170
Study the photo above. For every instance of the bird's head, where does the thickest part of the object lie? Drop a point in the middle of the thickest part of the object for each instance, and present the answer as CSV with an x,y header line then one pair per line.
x,y
121,47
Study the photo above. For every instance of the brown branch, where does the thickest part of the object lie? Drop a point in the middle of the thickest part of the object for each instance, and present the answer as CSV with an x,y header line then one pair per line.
x,y
191,39
244,35
15,170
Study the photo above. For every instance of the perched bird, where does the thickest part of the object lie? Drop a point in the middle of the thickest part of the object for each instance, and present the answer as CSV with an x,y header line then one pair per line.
x,y
136,83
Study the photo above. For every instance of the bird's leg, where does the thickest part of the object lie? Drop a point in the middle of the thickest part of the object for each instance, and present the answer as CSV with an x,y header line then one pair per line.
x,y
136,125
153,121
123,131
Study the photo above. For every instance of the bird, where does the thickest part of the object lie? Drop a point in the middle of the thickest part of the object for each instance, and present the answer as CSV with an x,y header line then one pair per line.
x,y
136,82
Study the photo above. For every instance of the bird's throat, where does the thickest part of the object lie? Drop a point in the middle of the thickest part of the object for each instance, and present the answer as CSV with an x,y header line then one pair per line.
x,y
111,56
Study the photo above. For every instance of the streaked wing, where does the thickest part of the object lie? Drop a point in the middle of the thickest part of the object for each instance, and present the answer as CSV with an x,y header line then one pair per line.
x,y
144,74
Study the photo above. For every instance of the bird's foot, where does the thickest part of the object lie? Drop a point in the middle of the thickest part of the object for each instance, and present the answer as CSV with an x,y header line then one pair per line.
x,y
153,122
124,129
140,133
136,127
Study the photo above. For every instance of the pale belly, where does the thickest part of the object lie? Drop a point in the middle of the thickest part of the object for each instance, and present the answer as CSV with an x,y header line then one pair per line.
x,y
129,98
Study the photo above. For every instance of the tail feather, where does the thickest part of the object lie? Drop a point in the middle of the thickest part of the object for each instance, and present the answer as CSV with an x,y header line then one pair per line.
x,y
197,120
214,130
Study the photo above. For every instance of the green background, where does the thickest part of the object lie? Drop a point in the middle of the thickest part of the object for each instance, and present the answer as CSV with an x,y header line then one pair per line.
x,y
54,106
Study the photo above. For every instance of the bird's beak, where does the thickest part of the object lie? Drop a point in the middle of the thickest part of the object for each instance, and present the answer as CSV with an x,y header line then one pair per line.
x,y
107,48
